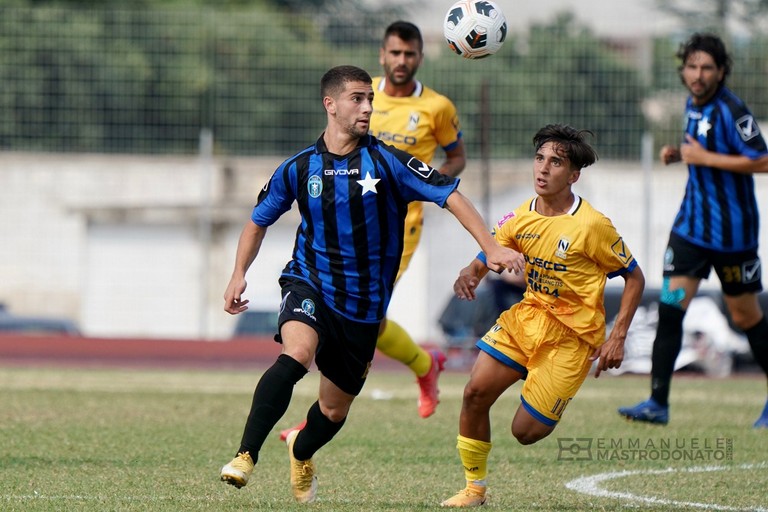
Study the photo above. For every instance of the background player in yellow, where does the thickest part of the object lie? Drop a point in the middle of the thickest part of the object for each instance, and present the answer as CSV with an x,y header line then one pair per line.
x,y
551,338
416,119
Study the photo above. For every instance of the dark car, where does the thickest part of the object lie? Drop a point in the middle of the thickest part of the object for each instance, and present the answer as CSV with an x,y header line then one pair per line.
x,y
10,323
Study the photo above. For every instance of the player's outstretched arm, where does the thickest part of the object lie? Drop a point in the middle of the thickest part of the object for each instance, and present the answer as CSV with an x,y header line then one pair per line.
x,y
695,154
611,353
247,248
469,279
498,258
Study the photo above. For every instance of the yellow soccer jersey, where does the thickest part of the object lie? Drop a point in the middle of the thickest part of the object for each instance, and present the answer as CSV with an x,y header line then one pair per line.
x,y
568,258
418,124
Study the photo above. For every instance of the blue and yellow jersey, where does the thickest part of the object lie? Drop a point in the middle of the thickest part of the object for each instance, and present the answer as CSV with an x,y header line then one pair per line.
x,y
568,258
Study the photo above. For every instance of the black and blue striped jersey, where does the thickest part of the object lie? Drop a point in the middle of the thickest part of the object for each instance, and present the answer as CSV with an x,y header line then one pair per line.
x,y
350,239
719,210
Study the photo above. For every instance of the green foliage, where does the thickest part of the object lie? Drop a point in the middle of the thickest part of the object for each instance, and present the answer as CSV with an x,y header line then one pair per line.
x,y
147,80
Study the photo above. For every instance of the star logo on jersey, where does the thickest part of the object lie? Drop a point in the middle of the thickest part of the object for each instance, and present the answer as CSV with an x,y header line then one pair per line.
x,y
369,184
420,168
747,128
703,127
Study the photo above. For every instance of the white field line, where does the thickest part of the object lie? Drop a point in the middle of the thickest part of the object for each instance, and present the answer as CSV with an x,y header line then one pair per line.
x,y
591,485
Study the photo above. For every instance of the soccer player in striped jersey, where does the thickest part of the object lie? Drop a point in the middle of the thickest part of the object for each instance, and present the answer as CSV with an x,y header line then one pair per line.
x,y
717,224
415,118
352,193
552,337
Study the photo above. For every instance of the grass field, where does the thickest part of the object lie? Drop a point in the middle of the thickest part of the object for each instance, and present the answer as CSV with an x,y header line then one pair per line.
x,y
104,440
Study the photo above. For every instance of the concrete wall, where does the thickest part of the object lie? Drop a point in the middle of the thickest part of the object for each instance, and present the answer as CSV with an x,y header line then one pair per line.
x,y
144,246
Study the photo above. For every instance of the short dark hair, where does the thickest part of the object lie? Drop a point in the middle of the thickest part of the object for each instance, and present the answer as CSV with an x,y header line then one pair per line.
x,y
568,142
405,30
335,79
709,43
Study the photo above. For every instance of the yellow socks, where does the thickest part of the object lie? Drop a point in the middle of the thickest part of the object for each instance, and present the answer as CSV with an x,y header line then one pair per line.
x,y
474,458
396,343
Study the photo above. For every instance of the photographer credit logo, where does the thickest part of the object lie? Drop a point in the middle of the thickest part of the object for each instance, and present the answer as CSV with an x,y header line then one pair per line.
x,y
636,449
574,448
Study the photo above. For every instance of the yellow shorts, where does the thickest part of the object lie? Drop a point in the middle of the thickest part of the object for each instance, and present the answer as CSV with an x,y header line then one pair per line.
x,y
552,358
414,221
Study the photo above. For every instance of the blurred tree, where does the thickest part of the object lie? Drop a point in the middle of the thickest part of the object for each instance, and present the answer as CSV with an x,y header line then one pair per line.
x,y
716,15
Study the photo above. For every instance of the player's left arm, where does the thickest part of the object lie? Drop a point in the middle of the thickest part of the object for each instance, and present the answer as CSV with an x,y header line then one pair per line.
x,y
694,153
611,353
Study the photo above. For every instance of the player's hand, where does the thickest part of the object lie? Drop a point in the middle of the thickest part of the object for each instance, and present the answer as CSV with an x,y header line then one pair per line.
x,y
609,355
466,284
692,152
669,155
505,258
233,301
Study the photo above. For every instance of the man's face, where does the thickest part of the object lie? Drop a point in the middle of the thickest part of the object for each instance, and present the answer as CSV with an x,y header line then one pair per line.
x,y
400,59
701,76
352,108
552,171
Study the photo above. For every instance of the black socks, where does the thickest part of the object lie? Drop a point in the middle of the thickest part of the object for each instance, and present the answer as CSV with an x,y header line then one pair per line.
x,y
666,347
318,432
270,401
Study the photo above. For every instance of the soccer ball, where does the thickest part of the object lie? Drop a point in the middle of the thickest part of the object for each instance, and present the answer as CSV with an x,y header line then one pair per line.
x,y
475,29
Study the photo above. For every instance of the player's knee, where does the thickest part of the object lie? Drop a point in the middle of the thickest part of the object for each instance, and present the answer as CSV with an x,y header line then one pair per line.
x,y
476,396
526,436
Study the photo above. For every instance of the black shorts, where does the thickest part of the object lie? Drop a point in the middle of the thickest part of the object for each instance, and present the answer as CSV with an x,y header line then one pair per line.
x,y
346,347
739,272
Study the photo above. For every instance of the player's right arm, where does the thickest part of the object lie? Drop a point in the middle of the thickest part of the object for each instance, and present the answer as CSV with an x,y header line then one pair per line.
x,y
247,249
692,152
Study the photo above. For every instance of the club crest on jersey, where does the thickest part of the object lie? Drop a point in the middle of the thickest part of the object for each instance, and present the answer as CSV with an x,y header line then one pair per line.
x,y
562,247
315,186
420,168
747,128
413,121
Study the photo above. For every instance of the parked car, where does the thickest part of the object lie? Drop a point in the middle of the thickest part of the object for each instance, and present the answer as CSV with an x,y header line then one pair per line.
x,y
256,323
10,323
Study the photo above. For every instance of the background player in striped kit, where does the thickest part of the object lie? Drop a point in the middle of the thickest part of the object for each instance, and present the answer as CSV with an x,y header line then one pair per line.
x,y
352,193
717,224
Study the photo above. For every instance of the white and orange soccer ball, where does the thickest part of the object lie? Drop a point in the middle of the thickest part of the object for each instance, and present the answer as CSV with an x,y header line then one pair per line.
x,y
475,29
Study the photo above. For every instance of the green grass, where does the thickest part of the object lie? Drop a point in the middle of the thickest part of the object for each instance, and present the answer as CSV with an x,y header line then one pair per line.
x,y
102,440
